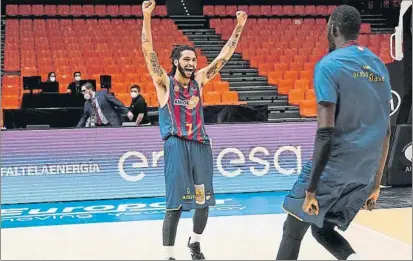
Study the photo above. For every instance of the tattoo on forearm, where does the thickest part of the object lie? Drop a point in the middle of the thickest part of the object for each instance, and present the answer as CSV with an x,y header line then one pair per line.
x,y
156,68
235,37
144,39
238,30
233,43
215,68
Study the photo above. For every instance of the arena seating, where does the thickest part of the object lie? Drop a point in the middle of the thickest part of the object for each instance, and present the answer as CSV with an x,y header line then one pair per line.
x,y
268,10
94,47
79,10
285,50
282,42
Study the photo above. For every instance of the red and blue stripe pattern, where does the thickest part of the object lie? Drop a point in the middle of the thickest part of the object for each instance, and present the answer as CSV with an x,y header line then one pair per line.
x,y
183,115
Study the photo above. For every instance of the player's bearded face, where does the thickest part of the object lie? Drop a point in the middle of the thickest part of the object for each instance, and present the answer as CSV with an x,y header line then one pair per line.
x,y
186,72
187,64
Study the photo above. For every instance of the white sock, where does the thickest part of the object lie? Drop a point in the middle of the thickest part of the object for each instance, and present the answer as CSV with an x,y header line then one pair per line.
x,y
353,257
195,238
169,252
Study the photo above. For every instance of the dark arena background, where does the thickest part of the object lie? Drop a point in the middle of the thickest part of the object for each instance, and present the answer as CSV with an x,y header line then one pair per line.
x,y
260,110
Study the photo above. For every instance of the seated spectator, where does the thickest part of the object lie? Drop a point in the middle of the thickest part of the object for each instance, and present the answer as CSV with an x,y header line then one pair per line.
x,y
102,108
74,87
51,77
138,107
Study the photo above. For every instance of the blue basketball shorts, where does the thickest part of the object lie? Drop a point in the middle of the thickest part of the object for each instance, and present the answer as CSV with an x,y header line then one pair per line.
x,y
339,203
188,174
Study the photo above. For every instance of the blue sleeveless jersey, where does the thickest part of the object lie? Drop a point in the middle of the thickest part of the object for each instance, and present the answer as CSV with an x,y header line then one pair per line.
x,y
183,116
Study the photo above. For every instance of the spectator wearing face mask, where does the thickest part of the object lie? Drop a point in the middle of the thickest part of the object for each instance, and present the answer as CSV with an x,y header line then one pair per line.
x,y
102,108
74,87
51,77
138,107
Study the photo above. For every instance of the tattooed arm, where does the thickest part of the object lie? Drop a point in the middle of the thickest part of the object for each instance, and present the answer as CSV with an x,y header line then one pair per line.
x,y
157,73
206,74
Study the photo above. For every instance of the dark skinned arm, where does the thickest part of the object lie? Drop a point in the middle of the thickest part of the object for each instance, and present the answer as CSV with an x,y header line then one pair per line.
x,y
323,143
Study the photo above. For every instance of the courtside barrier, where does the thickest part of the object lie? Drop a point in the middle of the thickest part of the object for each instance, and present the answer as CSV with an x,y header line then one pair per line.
x,y
112,163
399,165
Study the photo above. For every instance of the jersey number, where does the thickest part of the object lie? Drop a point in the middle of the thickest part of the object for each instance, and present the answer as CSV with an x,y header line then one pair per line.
x,y
189,128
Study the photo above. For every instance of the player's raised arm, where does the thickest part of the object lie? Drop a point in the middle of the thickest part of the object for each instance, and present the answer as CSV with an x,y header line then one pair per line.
x,y
206,74
158,74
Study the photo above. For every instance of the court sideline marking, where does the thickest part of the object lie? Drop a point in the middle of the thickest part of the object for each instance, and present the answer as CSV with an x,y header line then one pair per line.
x,y
383,235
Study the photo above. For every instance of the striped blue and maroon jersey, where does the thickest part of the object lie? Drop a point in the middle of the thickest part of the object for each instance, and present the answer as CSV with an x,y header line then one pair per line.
x,y
183,115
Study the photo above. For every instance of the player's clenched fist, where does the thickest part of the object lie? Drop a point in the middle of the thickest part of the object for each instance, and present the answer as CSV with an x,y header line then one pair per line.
x,y
148,6
242,17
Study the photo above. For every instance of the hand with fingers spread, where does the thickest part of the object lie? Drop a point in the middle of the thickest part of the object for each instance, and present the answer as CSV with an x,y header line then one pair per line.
x,y
241,17
148,6
310,205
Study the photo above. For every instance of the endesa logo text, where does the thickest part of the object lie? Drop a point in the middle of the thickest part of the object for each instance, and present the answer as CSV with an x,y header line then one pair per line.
x,y
230,162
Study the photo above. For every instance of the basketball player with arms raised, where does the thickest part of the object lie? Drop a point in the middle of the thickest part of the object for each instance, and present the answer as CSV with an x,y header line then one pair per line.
x,y
187,148
352,87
